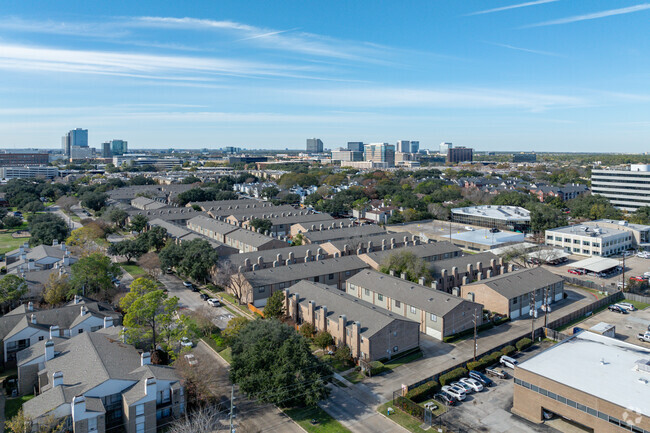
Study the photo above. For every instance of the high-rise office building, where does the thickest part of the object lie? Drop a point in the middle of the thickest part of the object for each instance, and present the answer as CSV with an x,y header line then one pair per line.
x,y
74,138
355,146
460,154
626,189
444,147
415,146
346,155
119,147
403,146
106,149
380,152
314,145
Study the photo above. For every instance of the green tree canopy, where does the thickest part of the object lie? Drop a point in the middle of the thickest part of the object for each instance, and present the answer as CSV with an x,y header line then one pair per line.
x,y
274,308
47,227
93,200
129,248
12,288
407,262
194,259
273,364
93,274
263,224
323,340
138,222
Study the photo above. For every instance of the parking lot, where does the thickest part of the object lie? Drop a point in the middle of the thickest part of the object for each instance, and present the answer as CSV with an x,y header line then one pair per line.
x,y
627,325
634,266
489,410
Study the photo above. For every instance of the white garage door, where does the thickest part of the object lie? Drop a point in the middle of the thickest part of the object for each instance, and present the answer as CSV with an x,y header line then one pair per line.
x,y
260,302
514,314
558,297
434,333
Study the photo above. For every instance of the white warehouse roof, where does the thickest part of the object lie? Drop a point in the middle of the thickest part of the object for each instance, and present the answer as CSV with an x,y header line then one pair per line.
x,y
506,213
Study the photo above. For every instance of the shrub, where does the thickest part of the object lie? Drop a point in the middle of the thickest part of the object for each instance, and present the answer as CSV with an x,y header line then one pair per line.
x,y
422,392
508,350
409,407
306,329
376,367
452,376
523,344
483,362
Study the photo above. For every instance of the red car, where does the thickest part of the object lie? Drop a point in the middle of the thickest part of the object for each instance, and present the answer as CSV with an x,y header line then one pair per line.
x,y
573,271
639,279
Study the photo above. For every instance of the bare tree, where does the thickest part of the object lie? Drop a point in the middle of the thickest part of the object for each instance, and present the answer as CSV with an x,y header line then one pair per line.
x,y
228,276
207,419
517,255
150,262
203,318
202,380
66,202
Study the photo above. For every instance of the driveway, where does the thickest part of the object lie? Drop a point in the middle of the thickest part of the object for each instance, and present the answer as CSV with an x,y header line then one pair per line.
x,y
56,210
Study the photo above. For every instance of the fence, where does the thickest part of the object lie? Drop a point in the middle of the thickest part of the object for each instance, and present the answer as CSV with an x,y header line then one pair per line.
x,y
562,321
254,309
637,298
555,335
590,284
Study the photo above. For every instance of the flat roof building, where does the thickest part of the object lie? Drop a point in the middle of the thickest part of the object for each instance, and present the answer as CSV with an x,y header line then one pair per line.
x,y
484,239
28,171
598,382
513,218
18,159
459,154
626,189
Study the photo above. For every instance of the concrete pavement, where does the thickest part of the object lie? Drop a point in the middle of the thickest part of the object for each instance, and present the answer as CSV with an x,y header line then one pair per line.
x,y
56,210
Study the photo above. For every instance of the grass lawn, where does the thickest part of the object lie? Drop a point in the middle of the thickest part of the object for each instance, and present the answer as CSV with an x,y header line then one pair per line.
x,y
13,405
9,243
355,376
135,270
336,364
226,354
324,423
230,298
637,304
394,363
401,418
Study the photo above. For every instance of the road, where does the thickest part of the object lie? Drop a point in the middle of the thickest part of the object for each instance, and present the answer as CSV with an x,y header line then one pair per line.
x,y
251,417
72,224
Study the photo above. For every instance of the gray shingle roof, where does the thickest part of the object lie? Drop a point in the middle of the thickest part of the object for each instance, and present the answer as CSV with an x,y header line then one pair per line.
x,y
416,295
301,271
422,250
207,223
319,236
269,256
462,262
520,282
372,318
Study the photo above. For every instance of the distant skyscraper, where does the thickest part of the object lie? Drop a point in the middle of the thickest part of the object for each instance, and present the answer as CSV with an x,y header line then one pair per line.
x,y
346,155
444,147
403,146
314,145
460,154
74,138
119,147
415,146
356,146
106,149
380,152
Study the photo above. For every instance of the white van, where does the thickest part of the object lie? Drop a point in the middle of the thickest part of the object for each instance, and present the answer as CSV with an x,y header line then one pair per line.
x,y
507,361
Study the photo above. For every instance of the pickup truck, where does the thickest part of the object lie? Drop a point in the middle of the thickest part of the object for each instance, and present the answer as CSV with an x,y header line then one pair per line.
x,y
644,337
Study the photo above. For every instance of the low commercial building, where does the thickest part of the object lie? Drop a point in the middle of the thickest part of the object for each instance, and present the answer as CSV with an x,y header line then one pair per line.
x,y
599,238
484,239
371,333
328,235
257,285
512,293
596,382
459,270
28,171
431,252
511,218
439,314
20,159
95,382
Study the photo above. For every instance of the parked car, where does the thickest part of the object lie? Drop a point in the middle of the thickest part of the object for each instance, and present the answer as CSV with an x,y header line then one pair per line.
x,y
116,282
457,393
486,381
508,361
186,342
445,398
214,302
644,337
204,297
643,254
627,306
573,271
640,279
188,284
468,389
496,372
627,253
472,383
616,309
169,270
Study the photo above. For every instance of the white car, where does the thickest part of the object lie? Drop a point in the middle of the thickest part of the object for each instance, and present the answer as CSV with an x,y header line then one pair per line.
x,y
643,254
508,362
468,389
627,306
455,392
472,383
186,342
214,302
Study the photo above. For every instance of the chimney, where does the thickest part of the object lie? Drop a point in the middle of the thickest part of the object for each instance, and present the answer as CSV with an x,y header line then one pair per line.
x,y
323,310
78,408
63,246
108,322
391,273
77,299
312,307
55,242
296,300
150,386
145,358
49,350
465,280
34,319
402,275
54,331
23,256
57,379
83,310
421,281
30,306
343,320
455,291
31,265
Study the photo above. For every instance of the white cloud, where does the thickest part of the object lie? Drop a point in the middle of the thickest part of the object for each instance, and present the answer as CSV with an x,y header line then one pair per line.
x,y
526,50
516,6
593,16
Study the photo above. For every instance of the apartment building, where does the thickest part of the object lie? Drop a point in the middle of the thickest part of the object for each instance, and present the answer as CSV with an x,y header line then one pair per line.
x,y
334,234
626,189
371,333
456,271
258,284
369,244
431,252
181,234
510,294
438,314
97,383
243,240
145,203
597,382
281,224
599,238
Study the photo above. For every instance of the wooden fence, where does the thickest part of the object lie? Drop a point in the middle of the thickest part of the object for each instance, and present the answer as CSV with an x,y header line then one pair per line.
x,y
637,298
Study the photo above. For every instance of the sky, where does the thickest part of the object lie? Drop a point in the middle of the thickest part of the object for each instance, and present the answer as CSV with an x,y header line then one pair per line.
x,y
540,75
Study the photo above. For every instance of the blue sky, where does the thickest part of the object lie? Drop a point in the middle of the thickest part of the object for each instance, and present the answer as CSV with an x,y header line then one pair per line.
x,y
545,75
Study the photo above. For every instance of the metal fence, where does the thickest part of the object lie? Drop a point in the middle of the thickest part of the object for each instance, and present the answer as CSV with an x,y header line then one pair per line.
x,y
609,288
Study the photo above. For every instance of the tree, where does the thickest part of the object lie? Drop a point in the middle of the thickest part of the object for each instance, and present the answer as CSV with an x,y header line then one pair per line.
x,y
170,256
45,228
151,264
56,289
274,308
117,216
147,309
66,202
269,192
93,200
343,353
85,238
194,259
94,274
234,327
544,217
154,238
12,288
202,316
34,206
273,364
641,216
323,340
128,248
22,423
297,240
11,222
138,222
206,419
307,330
228,276
261,224
406,262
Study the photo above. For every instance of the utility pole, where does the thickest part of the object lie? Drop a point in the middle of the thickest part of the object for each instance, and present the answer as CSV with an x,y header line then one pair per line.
x,y
623,288
546,307
232,406
532,316
475,344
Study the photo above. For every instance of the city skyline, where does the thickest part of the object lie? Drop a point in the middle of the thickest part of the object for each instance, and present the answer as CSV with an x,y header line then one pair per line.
x,y
549,75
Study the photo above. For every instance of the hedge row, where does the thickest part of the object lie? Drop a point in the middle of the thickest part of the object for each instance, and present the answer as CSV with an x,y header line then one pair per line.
x,y
523,344
452,376
376,367
485,361
422,392
508,350
410,407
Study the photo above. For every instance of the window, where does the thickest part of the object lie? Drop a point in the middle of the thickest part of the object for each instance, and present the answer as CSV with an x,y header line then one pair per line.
x,y
514,300
261,289
395,348
92,424
331,276
398,304
81,331
139,424
139,409
603,416
434,318
380,297
316,279
366,292
571,403
412,310
347,273
95,328
41,338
